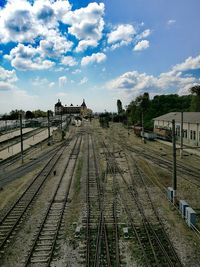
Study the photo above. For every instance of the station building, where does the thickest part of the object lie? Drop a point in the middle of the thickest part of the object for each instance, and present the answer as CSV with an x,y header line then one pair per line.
x,y
81,110
191,126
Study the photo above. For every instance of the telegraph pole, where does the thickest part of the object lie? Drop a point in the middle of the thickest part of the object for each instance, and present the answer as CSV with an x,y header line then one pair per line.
x,y
61,120
48,115
142,126
21,137
181,136
174,178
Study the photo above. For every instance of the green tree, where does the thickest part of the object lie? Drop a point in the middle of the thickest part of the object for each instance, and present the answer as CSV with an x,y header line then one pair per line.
x,y
195,103
119,106
29,114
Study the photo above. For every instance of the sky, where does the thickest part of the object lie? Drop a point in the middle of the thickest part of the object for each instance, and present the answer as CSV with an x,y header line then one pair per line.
x,y
99,51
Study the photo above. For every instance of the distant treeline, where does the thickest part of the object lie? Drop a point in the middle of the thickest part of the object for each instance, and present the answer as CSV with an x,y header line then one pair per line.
x,y
14,114
148,108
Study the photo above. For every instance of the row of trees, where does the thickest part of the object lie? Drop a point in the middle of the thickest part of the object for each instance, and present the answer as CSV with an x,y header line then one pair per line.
x,y
159,105
14,114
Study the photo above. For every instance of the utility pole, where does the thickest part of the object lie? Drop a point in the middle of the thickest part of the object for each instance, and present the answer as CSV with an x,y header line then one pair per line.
x,y
21,137
48,115
61,120
142,126
181,136
174,180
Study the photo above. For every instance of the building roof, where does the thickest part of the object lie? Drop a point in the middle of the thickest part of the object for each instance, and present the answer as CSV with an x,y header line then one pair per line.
x,y
58,104
191,117
83,104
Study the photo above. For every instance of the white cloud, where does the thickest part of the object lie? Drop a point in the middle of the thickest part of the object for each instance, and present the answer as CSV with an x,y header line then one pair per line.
x,y
190,63
144,34
171,22
84,44
7,79
86,23
54,45
83,81
62,81
123,34
133,83
69,61
98,58
21,21
28,58
144,44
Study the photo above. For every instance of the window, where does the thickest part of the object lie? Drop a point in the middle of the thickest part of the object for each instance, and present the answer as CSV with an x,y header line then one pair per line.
x,y
194,135
190,134
185,133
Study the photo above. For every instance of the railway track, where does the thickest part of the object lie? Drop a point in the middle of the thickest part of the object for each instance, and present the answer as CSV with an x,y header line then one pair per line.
x,y
166,164
13,216
157,250
43,247
101,223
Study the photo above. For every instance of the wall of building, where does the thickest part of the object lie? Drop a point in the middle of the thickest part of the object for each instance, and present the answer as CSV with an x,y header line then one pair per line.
x,y
191,131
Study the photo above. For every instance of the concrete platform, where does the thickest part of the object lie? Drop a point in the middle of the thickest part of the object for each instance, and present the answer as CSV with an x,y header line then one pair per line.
x,y
12,134
15,149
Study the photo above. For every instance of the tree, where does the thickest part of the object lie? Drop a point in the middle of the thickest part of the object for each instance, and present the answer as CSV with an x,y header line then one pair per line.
x,y
195,103
119,106
29,114
39,113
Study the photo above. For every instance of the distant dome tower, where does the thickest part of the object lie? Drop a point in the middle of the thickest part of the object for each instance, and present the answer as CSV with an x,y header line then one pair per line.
x,y
58,107
83,105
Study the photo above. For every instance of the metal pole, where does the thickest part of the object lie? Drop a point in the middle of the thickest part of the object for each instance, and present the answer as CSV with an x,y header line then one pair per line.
x,y
142,126
174,182
48,114
21,137
61,121
181,136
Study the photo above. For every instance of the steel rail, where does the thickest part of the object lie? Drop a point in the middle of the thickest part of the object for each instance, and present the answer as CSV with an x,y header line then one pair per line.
x,y
27,199
28,260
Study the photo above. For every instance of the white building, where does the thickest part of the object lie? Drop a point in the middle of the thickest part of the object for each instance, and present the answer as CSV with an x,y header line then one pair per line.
x,y
191,126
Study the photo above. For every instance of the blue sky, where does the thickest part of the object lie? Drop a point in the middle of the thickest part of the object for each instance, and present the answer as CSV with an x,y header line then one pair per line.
x,y
97,50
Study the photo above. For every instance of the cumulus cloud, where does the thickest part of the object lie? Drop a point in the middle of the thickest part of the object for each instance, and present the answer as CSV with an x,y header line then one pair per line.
x,y
133,83
191,63
28,58
142,45
7,79
121,35
62,81
86,23
54,45
21,21
84,44
69,61
94,58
